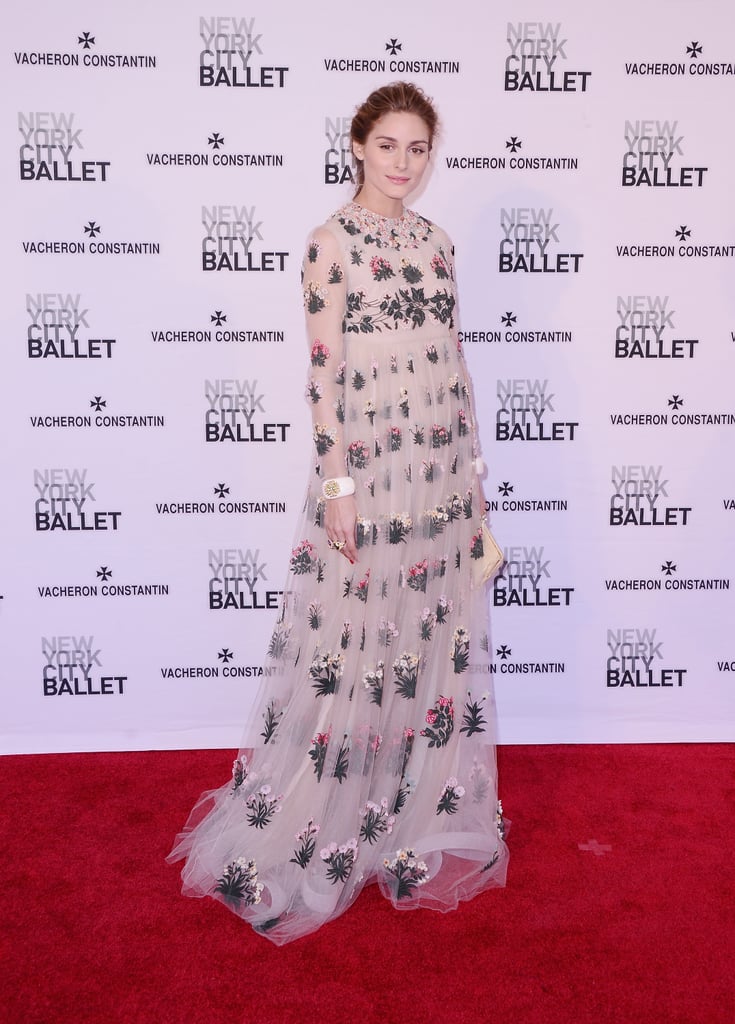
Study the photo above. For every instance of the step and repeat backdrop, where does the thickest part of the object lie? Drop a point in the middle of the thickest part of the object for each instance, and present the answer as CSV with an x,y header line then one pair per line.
x,y
162,167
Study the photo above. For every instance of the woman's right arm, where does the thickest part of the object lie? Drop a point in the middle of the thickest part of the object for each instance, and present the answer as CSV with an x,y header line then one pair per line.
x,y
325,296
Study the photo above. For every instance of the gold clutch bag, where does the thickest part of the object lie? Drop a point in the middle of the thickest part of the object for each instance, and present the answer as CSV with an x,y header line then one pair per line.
x,y
487,564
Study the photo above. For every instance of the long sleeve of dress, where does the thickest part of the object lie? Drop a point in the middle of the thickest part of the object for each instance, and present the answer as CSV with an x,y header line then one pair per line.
x,y
324,303
446,251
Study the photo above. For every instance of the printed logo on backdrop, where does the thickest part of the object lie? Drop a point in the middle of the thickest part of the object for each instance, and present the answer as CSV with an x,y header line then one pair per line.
x,y
239,581
338,167
233,55
236,411
225,504
676,416
73,667
528,581
635,658
689,247
105,585
512,160
85,56
219,330
538,60
53,149
234,241
641,496
92,245
505,664
510,501
527,411
668,578
515,334
59,328
223,668
531,243
101,416
694,66
217,156
66,502
646,329
654,157
397,57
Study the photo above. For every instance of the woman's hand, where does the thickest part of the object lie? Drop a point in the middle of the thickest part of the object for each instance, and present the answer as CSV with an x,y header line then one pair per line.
x,y
340,520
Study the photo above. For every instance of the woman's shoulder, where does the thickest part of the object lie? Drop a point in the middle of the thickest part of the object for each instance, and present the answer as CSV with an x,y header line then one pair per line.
x,y
323,238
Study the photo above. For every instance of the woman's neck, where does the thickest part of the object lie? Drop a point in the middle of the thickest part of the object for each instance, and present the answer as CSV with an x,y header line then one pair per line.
x,y
384,206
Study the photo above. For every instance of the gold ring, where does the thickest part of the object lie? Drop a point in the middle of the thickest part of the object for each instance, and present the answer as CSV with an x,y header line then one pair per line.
x,y
338,544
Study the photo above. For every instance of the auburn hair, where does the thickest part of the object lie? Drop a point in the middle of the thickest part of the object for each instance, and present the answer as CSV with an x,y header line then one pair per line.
x,y
395,98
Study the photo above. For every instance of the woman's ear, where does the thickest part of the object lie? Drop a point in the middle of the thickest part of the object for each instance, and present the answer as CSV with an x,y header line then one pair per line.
x,y
358,151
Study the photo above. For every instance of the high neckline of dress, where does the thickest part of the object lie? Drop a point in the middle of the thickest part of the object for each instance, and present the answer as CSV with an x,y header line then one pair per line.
x,y
406,231
372,215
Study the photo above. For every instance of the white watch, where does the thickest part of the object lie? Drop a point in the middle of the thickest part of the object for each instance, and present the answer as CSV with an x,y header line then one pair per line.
x,y
338,487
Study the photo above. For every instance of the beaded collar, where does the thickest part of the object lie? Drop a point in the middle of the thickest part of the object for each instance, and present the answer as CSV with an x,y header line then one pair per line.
x,y
404,232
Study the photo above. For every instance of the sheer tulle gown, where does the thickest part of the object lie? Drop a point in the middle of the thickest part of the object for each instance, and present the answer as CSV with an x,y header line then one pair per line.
x,y
369,755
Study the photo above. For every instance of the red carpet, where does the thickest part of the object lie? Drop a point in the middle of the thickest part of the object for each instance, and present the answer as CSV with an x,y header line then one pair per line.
x,y
637,928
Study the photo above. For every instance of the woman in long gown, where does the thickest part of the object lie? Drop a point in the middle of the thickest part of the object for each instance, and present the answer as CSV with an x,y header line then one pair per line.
x,y
370,754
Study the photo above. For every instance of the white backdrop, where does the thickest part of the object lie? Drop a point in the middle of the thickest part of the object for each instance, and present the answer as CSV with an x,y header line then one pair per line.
x,y
584,172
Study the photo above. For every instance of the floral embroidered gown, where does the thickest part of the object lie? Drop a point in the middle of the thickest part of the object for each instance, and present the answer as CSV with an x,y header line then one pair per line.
x,y
370,751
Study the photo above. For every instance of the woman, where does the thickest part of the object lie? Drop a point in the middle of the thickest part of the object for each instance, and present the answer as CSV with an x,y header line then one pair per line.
x,y
370,753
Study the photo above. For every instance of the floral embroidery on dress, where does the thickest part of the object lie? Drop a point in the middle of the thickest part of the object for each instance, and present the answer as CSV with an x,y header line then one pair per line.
x,y
440,722
406,232
261,807
377,822
472,717
407,308
372,680
406,670
239,883
460,649
339,860
315,297
306,839
318,753
319,353
451,794
408,871
326,672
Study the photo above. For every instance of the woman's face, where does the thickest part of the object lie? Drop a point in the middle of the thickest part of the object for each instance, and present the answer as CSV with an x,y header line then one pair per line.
x,y
395,156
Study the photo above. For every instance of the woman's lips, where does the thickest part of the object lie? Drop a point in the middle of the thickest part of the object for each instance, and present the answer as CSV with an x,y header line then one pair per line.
x,y
397,181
